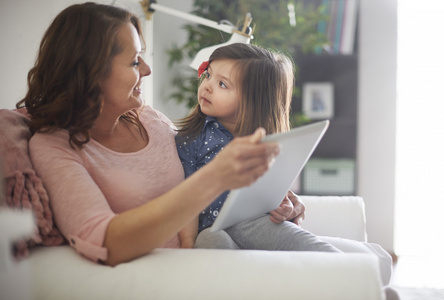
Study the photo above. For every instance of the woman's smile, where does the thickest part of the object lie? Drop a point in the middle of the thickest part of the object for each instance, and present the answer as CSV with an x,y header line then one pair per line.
x,y
137,90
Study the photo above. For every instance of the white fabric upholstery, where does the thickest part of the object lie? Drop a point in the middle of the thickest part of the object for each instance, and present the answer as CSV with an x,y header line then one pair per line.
x,y
14,278
338,216
60,273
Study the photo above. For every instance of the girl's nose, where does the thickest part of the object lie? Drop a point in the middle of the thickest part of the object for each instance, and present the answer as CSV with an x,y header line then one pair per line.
x,y
206,85
145,70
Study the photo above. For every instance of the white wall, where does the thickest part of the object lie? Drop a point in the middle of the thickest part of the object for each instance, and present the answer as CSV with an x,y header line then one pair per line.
x,y
376,117
22,24
168,32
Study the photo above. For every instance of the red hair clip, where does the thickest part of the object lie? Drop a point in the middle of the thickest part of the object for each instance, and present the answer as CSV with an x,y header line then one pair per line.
x,y
202,68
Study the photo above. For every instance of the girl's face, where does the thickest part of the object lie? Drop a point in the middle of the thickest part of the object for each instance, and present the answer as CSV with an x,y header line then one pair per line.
x,y
219,94
122,88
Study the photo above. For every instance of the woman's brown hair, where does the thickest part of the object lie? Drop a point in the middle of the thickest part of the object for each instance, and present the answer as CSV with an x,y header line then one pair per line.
x,y
266,81
75,54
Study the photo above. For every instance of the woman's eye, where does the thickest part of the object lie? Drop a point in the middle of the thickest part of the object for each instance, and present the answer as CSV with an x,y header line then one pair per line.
x,y
136,64
222,84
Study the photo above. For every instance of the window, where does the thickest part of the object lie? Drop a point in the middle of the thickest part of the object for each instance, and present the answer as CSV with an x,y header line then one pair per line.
x,y
419,205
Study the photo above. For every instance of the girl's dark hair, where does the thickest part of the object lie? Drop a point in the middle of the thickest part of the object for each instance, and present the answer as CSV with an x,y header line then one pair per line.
x,y
266,81
75,54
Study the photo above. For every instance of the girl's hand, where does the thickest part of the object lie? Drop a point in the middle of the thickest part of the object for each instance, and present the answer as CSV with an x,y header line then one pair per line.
x,y
243,161
291,209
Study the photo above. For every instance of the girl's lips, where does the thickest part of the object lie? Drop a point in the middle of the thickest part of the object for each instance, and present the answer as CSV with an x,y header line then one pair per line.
x,y
205,100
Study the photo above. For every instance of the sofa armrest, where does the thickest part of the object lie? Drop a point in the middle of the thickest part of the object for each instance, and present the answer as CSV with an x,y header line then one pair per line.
x,y
60,273
14,225
336,216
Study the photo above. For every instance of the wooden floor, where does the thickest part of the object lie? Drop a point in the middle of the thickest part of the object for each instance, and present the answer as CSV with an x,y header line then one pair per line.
x,y
419,272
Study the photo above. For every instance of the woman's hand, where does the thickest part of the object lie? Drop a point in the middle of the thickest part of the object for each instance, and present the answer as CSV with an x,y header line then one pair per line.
x,y
291,209
243,161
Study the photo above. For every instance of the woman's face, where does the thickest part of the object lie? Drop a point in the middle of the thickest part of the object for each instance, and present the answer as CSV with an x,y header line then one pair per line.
x,y
122,88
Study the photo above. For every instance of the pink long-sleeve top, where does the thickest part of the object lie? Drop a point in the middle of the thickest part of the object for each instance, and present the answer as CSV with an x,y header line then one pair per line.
x,y
88,187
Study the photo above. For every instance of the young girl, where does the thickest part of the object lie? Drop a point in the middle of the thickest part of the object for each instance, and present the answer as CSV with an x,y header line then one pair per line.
x,y
243,87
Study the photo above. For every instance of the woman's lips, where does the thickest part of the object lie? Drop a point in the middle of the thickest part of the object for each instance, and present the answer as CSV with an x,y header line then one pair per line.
x,y
138,90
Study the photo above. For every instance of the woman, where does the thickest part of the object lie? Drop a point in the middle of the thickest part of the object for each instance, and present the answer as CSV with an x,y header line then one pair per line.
x,y
109,163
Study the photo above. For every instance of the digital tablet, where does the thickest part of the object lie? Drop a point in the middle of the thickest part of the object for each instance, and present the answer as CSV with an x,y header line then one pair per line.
x,y
267,193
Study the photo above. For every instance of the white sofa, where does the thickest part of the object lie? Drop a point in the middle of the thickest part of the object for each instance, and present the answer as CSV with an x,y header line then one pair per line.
x,y
60,273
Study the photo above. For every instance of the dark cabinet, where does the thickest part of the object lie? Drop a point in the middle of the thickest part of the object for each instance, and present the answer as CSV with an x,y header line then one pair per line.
x,y
342,71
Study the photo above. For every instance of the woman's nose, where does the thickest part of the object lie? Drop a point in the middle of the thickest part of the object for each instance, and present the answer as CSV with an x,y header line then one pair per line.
x,y
145,70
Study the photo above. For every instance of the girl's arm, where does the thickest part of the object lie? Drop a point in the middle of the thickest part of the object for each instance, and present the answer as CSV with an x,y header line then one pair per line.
x,y
188,156
188,234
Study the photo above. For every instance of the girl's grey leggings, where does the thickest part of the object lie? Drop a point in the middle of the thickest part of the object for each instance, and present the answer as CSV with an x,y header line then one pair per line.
x,y
263,234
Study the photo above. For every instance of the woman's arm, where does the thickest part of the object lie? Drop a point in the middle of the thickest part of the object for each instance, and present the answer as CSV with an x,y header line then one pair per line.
x,y
140,230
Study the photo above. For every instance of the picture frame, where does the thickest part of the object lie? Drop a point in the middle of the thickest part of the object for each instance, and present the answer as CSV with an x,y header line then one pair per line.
x,y
318,100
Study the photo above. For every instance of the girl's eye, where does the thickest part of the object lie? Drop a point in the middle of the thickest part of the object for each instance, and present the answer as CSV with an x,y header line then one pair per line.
x,y
136,64
206,74
222,84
